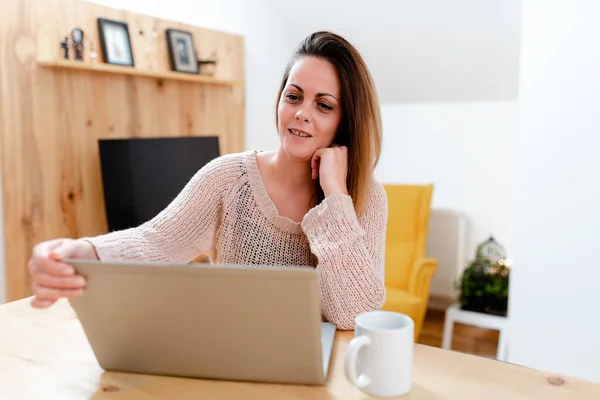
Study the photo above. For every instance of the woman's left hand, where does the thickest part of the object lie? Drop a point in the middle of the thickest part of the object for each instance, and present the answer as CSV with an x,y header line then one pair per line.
x,y
331,165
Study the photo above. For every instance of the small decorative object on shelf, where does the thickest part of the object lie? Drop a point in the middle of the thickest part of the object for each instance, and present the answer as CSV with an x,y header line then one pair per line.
x,y
182,53
65,46
77,38
483,286
207,67
115,42
93,54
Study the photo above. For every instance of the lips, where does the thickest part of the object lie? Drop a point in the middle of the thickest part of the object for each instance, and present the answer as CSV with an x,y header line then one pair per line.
x,y
298,133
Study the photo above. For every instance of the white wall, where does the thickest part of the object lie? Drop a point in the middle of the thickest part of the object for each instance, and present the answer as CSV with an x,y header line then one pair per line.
x,y
466,151
426,50
266,43
554,300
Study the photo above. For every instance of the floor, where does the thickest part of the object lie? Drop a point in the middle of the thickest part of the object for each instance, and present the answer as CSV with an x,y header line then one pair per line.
x,y
466,338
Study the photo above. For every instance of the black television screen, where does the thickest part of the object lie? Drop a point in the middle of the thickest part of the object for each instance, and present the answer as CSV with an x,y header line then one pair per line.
x,y
141,176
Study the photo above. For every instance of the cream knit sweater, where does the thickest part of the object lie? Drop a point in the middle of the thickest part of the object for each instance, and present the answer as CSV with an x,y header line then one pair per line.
x,y
225,212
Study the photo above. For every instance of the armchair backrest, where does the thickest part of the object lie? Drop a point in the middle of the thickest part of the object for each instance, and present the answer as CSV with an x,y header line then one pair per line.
x,y
408,216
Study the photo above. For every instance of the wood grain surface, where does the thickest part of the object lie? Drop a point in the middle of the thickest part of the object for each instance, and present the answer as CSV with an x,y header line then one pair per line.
x,y
44,354
51,118
121,70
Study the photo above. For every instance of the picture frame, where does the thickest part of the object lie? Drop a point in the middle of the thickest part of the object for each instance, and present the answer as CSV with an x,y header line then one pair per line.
x,y
182,52
115,42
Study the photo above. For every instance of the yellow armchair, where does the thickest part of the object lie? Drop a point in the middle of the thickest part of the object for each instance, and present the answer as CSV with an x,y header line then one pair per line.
x,y
407,271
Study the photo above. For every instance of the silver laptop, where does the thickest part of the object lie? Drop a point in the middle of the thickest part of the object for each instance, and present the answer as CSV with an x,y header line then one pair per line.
x,y
227,322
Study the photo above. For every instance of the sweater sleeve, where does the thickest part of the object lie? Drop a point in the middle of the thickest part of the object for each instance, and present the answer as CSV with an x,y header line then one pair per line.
x,y
185,229
350,255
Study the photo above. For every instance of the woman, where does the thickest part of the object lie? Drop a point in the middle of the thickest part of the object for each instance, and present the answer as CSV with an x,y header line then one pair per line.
x,y
313,201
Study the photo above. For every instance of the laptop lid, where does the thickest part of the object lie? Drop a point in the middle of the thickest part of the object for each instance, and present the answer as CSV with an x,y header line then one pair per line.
x,y
209,321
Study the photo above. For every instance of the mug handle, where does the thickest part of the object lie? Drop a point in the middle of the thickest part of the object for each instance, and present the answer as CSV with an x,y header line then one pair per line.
x,y
354,346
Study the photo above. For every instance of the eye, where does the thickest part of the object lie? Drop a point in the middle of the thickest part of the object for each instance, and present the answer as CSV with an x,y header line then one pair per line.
x,y
325,106
292,97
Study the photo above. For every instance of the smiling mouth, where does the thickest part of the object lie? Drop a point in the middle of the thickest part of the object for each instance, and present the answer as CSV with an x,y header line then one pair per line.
x,y
298,133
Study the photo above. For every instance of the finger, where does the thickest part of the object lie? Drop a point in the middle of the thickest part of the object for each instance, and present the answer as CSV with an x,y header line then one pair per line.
x,y
37,303
315,169
60,282
51,267
315,158
45,293
315,172
341,149
42,262
66,249
44,249
314,163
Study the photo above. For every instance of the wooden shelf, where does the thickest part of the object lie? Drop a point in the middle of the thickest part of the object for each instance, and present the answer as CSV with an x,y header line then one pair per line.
x,y
120,70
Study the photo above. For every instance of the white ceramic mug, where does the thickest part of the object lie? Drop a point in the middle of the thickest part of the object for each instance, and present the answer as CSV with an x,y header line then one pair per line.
x,y
380,356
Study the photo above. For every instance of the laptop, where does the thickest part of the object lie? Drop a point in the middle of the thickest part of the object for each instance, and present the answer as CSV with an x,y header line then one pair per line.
x,y
229,322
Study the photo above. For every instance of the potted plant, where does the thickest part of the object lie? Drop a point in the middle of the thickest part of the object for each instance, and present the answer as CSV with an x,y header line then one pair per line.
x,y
483,286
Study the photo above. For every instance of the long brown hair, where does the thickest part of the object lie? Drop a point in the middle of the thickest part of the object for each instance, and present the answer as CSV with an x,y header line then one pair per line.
x,y
360,127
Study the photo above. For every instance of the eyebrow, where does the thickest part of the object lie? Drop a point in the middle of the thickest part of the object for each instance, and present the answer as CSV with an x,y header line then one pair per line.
x,y
318,94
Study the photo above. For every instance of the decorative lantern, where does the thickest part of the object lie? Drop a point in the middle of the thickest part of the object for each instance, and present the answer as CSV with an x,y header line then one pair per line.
x,y
483,286
491,250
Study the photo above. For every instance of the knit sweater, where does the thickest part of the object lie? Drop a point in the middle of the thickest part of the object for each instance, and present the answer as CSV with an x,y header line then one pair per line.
x,y
224,212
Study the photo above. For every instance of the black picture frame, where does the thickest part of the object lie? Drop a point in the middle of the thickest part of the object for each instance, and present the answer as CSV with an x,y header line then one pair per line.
x,y
115,39
182,51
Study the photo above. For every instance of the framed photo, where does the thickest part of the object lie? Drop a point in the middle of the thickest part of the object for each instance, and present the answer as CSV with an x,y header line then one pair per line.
x,y
182,52
115,42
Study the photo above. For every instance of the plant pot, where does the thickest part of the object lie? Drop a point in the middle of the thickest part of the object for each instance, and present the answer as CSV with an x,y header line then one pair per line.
x,y
486,305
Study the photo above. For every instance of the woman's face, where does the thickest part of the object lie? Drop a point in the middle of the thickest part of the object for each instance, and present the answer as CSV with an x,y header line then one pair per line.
x,y
309,109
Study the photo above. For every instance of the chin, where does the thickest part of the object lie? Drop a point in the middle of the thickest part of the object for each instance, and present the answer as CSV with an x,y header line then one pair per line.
x,y
299,151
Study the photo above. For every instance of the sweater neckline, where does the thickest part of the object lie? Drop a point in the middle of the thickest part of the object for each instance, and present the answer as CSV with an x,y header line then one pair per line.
x,y
265,203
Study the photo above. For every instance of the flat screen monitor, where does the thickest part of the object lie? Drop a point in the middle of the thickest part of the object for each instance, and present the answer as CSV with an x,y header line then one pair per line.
x,y
141,176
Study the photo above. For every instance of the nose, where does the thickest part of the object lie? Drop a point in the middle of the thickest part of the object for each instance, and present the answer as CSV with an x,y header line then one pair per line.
x,y
302,115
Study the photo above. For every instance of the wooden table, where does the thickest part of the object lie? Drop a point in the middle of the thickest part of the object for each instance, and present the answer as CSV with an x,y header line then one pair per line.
x,y
44,354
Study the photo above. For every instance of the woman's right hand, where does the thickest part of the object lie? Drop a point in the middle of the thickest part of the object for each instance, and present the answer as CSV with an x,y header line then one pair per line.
x,y
53,279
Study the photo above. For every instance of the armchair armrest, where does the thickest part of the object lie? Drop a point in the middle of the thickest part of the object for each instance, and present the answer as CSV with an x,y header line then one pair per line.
x,y
420,277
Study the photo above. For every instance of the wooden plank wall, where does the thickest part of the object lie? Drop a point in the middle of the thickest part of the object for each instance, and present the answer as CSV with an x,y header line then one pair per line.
x,y
51,119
